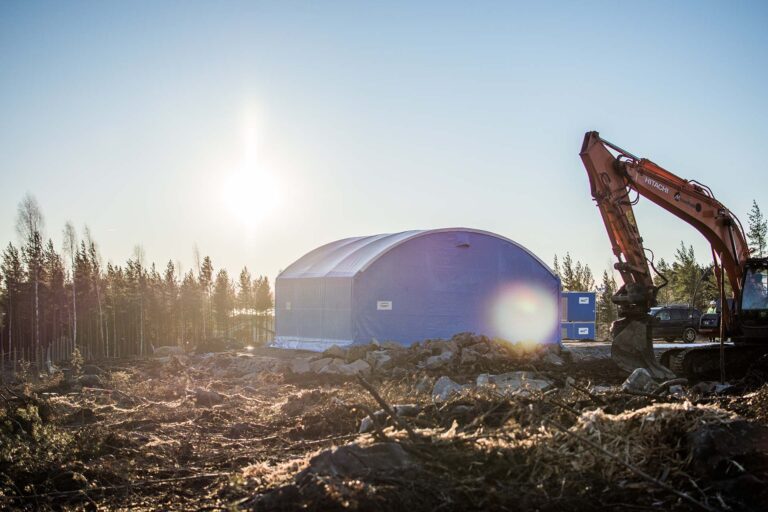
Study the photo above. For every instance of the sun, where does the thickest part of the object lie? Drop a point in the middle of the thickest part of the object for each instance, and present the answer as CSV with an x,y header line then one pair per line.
x,y
251,196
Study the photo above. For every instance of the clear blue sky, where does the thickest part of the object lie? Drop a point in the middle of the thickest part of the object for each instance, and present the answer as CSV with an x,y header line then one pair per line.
x,y
156,123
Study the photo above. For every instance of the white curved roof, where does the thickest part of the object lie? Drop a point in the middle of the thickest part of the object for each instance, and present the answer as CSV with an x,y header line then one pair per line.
x,y
347,257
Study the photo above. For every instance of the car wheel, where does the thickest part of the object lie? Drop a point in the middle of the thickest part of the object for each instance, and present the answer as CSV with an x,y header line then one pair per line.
x,y
689,335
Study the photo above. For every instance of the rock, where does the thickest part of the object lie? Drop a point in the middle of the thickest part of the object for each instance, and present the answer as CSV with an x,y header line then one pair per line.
x,y
468,357
515,382
640,381
92,369
461,409
444,388
480,348
716,446
444,346
424,385
356,352
339,367
90,381
300,366
317,366
353,460
168,350
677,390
466,339
207,398
401,410
367,423
357,367
335,351
399,373
392,345
406,410
553,359
435,362
379,359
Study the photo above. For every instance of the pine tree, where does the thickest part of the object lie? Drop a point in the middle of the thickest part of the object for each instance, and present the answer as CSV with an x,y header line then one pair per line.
x,y
576,276
758,230
665,294
205,278
223,301
606,309
13,275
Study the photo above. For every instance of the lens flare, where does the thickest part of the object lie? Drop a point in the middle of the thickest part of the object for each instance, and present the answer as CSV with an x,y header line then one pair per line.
x,y
524,313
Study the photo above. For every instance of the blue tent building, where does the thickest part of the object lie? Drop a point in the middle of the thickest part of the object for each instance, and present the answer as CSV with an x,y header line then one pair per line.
x,y
416,285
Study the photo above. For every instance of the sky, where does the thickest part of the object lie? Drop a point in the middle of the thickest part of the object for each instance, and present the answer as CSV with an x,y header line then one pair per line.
x,y
257,131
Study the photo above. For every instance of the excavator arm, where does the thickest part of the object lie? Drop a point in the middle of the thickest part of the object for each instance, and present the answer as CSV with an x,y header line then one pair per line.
x,y
617,179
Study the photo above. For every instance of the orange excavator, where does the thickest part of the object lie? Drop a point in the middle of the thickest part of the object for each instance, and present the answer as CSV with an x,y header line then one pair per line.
x,y
617,180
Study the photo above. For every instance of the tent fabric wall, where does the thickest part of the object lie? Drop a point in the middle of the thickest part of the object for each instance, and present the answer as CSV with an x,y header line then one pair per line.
x,y
405,287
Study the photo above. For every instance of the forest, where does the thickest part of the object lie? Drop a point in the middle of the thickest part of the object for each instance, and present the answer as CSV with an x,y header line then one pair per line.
x,y
57,303
54,304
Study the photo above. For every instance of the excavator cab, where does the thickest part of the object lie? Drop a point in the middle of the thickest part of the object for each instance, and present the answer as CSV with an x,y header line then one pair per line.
x,y
754,300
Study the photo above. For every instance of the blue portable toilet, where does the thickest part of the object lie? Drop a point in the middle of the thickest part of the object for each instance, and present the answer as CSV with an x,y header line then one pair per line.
x,y
416,285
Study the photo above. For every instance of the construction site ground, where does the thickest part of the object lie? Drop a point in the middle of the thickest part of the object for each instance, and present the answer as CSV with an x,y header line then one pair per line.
x,y
461,424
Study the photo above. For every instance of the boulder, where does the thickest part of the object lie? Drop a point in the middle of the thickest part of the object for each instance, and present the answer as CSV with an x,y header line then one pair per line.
x,y
356,367
356,352
300,366
553,359
392,345
480,348
435,362
339,367
335,351
443,346
424,385
353,460
92,369
318,365
379,359
639,381
468,357
445,387
728,449
515,382
90,381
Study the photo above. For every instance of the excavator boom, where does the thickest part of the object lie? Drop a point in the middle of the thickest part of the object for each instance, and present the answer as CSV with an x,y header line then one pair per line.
x,y
617,180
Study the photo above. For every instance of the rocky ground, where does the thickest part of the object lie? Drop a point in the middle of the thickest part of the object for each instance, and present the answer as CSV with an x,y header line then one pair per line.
x,y
460,424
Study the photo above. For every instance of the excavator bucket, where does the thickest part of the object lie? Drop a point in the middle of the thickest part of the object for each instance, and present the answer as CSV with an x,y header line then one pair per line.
x,y
632,348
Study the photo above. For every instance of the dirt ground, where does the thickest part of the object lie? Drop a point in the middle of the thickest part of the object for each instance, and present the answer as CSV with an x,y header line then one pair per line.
x,y
244,431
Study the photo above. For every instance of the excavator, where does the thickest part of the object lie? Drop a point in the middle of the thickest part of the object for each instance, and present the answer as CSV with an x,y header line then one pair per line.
x,y
617,180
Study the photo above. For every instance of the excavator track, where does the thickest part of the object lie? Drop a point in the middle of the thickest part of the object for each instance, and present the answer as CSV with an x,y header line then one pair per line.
x,y
703,363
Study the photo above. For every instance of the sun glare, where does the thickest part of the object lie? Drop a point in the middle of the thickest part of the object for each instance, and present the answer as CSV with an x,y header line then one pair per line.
x,y
251,193
524,313
251,197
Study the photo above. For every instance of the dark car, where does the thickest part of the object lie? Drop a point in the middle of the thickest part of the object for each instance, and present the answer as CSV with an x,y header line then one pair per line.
x,y
675,322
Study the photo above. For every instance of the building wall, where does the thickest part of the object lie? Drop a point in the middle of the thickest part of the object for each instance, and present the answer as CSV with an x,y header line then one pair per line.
x,y
444,283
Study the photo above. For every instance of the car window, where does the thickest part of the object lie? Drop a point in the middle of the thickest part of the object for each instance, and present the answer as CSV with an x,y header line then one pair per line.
x,y
679,314
663,315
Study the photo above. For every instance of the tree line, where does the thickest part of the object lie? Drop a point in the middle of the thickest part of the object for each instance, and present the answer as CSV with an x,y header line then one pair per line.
x,y
54,303
687,281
